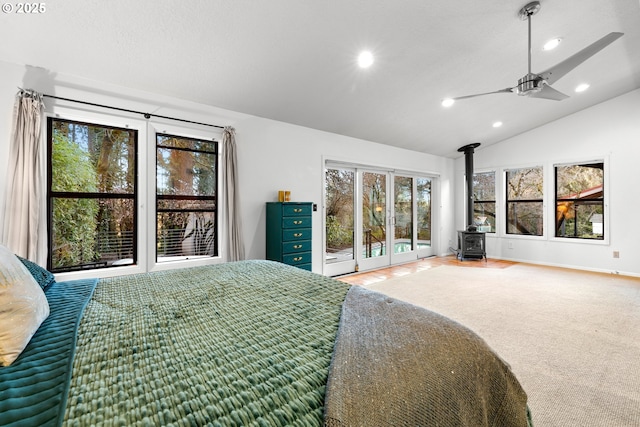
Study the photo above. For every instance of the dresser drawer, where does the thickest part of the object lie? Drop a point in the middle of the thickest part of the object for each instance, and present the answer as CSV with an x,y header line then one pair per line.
x,y
296,222
294,209
296,246
291,234
296,259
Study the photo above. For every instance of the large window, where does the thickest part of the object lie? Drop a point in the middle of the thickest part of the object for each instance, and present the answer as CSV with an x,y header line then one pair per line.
x,y
580,200
524,198
484,201
101,180
92,191
186,187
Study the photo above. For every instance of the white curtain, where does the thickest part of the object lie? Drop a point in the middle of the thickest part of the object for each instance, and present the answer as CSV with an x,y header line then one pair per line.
x,y
235,243
22,230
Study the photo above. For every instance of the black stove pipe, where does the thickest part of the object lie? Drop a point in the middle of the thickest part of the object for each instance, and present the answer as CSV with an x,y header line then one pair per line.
x,y
468,173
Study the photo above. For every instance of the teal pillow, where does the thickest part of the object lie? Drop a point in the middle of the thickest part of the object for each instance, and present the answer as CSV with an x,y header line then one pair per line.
x,y
44,277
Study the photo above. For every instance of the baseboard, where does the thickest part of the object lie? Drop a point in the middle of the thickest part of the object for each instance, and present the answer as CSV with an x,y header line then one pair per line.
x,y
568,266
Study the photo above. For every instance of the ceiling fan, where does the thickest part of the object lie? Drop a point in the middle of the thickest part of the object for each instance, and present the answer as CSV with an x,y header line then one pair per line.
x,y
539,85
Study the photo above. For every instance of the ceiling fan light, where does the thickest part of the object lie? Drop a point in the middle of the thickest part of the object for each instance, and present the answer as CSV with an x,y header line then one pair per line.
x,y
582,87
552,44
448,102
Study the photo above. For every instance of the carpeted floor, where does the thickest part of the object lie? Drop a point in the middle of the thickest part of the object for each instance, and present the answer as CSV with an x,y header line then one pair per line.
x,y
571,337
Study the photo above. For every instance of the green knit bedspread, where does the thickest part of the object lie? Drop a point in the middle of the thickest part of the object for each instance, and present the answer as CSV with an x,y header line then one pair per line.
x,y
237,344
33,390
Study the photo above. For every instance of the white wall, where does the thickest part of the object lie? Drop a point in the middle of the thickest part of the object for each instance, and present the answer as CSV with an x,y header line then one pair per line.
x,y
272,155
610,131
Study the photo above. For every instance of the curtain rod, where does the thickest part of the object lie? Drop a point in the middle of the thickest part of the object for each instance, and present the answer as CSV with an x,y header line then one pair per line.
x,y
146,115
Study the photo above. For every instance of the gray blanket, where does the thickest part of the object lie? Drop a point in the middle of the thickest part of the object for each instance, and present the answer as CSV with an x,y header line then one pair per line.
x,y
388,369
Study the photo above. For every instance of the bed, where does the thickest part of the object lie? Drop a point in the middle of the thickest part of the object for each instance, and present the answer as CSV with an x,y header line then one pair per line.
x,y
251,343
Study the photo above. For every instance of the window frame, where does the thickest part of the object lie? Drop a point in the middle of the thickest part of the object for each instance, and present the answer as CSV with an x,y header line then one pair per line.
x,y
606,216
215,198
194,132
541,201
146,173
494,230
51,194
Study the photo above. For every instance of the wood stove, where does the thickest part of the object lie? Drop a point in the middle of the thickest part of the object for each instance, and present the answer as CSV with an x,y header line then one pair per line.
x,y
471,243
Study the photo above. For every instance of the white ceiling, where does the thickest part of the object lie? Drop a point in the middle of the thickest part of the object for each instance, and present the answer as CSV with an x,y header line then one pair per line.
x,y
295,60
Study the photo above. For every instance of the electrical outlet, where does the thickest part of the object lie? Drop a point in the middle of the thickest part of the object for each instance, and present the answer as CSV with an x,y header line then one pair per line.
x,y
510,245
616,254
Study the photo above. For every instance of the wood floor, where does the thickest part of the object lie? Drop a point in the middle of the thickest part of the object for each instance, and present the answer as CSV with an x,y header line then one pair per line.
x,y
373,276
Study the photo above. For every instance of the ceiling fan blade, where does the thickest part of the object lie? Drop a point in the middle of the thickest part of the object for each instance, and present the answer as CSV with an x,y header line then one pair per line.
x,y
554,73
547,92
505,90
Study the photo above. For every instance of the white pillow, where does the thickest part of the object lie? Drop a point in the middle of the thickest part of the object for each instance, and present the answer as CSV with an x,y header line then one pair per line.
x,y
23,306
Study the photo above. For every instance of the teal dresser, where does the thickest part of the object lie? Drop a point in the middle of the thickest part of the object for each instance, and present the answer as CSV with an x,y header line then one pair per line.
x,y
289,233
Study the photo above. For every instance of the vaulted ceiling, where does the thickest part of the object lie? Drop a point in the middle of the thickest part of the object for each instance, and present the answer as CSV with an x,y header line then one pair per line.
x,y
295,60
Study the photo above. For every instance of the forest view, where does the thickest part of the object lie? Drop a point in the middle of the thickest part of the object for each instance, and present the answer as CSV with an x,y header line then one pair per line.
x,y
340,200
93,180
93,221
579,200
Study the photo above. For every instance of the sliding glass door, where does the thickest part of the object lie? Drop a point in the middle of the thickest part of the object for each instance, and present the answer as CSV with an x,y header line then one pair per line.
x,y
375,218
411,218
339,221
403,219
423,217
374,224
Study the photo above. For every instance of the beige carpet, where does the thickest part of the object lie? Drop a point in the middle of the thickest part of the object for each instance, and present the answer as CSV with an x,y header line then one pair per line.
x,y
571,337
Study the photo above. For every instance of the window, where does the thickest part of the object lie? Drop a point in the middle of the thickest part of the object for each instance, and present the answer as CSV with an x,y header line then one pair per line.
x,y
524,192
100,180
484,201
92,192
186,187
580,200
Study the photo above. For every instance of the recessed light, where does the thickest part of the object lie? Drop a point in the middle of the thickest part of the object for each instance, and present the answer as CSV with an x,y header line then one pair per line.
x,y
582,87
552,44
497,124
365,59
448,102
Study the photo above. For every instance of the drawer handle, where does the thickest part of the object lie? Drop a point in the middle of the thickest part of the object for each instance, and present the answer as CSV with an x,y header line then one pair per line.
x,y
297,234
297,222
299,258
297,246
297,209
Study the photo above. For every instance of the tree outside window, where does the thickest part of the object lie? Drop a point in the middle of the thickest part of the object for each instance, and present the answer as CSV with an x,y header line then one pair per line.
x,y
524,198
91,195
580,200
186,186
339,188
